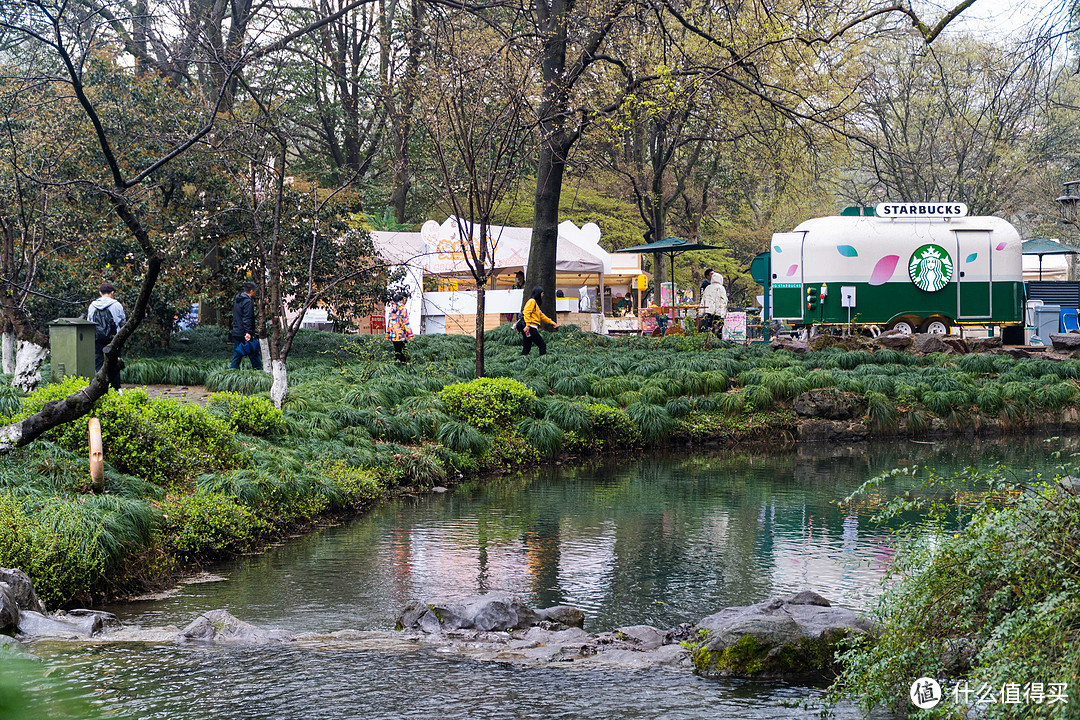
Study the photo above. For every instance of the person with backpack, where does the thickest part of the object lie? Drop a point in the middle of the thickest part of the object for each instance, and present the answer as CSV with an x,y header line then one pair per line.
x,y
108,317
244,338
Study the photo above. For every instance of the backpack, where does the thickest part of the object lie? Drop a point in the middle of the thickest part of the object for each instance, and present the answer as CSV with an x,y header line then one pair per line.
x,y
104,325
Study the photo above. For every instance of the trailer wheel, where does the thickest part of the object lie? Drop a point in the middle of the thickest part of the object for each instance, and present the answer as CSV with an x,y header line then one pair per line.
x,y
905,325
936,326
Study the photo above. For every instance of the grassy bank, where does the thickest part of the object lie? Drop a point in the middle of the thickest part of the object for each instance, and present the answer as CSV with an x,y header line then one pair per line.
x,y
187,483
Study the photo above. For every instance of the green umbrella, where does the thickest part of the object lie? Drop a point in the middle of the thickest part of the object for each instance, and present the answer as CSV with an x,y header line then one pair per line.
x,y
671,246
1042,246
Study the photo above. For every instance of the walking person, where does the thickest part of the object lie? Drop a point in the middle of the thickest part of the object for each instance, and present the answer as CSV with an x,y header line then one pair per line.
x,y
108,317
532,317
715,301
398,331
244,338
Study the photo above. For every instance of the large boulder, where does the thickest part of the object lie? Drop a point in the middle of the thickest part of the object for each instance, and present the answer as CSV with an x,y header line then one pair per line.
x,y
984,344
1065,341
25,595
488,612
830,404
12,648
9,610
219,626
894,340
75,623
957,344
926,343
796,637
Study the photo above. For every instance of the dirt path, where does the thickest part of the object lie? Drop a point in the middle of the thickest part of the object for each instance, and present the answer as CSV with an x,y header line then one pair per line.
x,y
182,393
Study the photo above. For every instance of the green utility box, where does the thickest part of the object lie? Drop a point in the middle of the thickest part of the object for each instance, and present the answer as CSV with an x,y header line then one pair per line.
x,y
71,345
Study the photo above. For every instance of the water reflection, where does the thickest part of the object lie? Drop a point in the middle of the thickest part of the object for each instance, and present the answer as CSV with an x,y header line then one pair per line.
x,y
660,540
657,540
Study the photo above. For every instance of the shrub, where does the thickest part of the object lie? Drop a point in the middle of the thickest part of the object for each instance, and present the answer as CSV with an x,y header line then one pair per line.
x,y
249,414
611,425
1001,582
206,525
488,403
154,439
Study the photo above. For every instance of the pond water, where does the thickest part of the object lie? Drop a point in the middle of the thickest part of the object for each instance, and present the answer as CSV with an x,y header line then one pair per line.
x,y
658,540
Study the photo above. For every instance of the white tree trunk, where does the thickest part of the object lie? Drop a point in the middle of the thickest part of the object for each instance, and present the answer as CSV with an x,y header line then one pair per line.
x,y
28,360
281,382
8,343
264,353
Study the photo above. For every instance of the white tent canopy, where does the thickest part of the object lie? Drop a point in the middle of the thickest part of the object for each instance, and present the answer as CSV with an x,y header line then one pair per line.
x,y
443,254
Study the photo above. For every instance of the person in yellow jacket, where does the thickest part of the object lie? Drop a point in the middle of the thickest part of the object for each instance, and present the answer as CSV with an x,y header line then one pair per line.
x,y
533,317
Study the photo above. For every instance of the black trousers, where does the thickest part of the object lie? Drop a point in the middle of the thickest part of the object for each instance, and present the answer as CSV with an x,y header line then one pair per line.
x,y
532,337
99,360
399,351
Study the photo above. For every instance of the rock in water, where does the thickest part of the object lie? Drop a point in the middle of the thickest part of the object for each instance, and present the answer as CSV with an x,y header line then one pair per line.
x,y
563,615
783,638
220,626
76,623
25,596
489,612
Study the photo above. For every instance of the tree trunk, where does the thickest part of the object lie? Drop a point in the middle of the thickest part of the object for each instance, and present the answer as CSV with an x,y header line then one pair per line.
x,y
28,361
480,304
545,239
8,343
281,382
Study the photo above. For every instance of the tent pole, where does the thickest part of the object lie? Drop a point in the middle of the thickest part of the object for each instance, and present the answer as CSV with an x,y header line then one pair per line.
x,y
600,300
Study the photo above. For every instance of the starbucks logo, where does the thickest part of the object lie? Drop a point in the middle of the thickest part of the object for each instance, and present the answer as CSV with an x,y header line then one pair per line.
x,y
930,268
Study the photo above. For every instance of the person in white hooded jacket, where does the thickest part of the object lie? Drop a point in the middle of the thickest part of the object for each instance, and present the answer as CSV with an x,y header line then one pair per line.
x,y
715,301
105,331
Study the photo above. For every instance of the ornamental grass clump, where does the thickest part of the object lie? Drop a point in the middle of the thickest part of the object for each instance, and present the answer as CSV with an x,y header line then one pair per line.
x,y
488,403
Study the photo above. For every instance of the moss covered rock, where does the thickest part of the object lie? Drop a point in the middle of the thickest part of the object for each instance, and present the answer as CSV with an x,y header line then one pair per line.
x,y
795,637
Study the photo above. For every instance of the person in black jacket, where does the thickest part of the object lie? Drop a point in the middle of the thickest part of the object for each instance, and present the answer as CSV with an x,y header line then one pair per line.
x,y
244,338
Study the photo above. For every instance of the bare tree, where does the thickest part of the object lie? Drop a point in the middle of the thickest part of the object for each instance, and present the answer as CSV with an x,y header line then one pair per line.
x,y
479,126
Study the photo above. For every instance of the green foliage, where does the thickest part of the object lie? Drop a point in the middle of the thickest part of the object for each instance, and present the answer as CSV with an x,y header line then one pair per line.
x,y
543,435
249,414
159,440
206,525
982,564
568,415
462,437
10,400
612,426
488,403
241,380
652,421
68,544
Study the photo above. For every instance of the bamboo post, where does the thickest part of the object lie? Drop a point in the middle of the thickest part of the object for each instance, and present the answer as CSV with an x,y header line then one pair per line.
x,y
97,457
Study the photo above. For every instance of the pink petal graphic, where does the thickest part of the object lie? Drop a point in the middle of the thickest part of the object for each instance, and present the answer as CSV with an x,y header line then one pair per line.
x,y
884,269
791,270
1001,246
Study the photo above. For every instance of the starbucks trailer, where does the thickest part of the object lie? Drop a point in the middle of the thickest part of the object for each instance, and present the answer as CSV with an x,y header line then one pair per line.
x,y
922,267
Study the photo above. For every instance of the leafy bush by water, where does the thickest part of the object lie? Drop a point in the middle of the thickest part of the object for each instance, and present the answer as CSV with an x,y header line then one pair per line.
x,y
488,403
